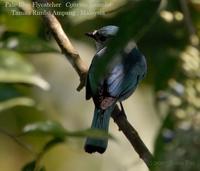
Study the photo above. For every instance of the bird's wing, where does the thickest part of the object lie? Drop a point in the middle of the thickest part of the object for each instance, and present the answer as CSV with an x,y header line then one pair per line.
x,y
91,82
120,83
124,77
114,80
129,85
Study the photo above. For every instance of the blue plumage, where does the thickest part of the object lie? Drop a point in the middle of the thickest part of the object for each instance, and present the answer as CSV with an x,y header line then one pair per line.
x,y
119,83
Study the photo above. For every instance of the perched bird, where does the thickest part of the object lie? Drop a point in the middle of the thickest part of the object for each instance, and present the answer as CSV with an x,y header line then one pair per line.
x,y
117,85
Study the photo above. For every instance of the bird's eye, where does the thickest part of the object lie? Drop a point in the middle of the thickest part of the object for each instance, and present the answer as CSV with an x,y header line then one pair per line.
x,y
102,38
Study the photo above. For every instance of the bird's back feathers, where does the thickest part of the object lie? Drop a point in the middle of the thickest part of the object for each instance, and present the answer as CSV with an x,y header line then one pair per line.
x,y
122,79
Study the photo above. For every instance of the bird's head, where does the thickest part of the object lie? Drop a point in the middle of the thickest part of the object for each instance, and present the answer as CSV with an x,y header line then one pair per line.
x,y
102,35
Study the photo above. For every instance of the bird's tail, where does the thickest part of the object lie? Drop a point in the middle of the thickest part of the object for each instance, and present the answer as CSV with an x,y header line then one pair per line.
x,y
100,121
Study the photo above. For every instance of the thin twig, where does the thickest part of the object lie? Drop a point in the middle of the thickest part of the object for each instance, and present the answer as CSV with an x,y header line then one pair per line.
x,y
118,116
14,138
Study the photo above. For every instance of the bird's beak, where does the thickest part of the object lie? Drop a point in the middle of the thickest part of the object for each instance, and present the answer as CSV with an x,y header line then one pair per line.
x,y
90,34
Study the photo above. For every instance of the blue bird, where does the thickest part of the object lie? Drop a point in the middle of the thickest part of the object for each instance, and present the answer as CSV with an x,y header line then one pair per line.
x,y
117,85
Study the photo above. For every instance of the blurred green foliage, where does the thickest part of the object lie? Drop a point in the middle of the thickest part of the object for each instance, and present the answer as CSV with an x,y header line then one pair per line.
x,y
161,33
20,42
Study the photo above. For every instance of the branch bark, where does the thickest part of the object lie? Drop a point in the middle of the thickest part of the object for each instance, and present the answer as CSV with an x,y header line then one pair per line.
x,y
81,68
131,134
67,48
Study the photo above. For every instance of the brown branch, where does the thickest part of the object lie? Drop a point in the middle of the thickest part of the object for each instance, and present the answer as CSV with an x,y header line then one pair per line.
x,y
131,134
81,68
67,48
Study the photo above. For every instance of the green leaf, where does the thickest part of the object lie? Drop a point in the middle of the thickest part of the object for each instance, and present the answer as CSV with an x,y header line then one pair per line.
x,y
18,101
52,143
94,133
25,43
8,91
15,69
57,130
12,95
31,167
45,128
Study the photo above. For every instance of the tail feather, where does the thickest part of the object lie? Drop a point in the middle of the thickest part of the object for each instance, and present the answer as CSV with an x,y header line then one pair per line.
x,y
100,121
